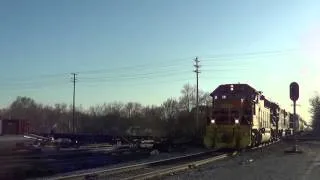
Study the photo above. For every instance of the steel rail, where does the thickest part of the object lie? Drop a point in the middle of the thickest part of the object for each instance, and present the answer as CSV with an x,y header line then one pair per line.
x,y
162,171
130,167
155,168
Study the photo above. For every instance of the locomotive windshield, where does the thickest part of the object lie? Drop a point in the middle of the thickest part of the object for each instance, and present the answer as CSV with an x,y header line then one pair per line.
x,y
226,111
233,101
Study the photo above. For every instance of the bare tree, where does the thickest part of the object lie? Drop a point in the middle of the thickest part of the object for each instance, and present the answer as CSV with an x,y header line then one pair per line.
x,y
137,109
133,109
152,112
187,98
171,108
116,107
205,99
128,109
315,113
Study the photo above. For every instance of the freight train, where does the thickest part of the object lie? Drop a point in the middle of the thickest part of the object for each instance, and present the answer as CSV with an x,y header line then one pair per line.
x,y
243,117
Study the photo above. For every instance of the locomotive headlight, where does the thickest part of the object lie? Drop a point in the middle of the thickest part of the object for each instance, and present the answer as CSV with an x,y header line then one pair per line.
x,y
213,121
236,121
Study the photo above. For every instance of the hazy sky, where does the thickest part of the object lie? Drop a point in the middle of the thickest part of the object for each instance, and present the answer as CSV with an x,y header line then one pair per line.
x,y
143,50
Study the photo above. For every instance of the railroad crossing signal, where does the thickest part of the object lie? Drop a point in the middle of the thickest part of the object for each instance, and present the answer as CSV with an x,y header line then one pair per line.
x,y
294,91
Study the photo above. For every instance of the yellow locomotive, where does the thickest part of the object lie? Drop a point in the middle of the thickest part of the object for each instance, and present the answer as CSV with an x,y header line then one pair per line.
x,y
241,117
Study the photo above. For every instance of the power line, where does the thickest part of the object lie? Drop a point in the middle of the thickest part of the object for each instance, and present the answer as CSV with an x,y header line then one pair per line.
x,y
246,54
152,81
170,63
153,75
39,77
38,85
31,81
182,60
107,70
160,65
137,75
33,86
131,84
133,68
163,72
146,80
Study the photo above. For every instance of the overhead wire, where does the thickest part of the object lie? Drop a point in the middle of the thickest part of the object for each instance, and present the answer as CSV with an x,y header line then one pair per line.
x,y
26,84
171,63
247,54
155,75
45,78
157,70
152,82
35,88
115,78
186,62
136,75
162,64
141,83
139,74
37,77
168,77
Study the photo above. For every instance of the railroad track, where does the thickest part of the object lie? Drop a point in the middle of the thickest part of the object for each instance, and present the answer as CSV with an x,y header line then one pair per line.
x,y
34,157
157,168
141,170
26,156
39,166
150,169
152,172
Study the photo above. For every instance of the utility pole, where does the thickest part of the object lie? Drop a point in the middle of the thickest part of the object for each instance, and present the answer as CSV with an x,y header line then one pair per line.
x,y
74,99
197,66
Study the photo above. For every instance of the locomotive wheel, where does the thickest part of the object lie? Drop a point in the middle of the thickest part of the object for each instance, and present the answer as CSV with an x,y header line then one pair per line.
x,y
253,140
256,139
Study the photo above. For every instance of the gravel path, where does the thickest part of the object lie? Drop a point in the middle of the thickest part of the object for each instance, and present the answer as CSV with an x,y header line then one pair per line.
x,y
270,164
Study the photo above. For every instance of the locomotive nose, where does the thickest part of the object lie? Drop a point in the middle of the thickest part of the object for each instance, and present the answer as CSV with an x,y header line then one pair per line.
x,y
226,138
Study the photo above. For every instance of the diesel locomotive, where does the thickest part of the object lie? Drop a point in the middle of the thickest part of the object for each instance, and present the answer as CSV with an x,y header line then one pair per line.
x,y
243,117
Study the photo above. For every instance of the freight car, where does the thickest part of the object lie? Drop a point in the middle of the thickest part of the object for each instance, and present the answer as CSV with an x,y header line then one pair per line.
x,y
13,126
242,117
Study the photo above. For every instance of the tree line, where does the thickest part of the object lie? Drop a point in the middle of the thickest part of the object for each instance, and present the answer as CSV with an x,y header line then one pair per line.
x,y
175,116
315,113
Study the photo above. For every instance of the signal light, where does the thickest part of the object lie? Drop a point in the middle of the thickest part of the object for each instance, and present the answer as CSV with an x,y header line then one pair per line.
x,y
213,121
294,91
236,121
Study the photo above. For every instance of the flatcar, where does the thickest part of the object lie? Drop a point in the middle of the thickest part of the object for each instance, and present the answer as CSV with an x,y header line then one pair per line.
x,y
242,117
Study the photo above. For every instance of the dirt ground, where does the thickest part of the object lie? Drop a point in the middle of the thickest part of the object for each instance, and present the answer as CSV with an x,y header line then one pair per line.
x,y
271,163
